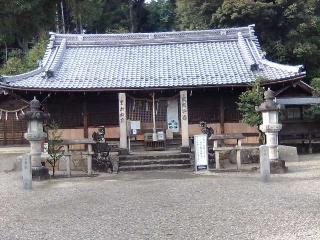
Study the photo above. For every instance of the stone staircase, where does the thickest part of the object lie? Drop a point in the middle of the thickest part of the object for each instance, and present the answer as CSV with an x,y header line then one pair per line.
x,y
171,145
155,161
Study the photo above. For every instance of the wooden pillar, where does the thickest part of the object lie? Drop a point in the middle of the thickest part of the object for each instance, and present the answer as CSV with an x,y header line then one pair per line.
x,y
5,129
85,119
89,159
221,113
184,121
123,124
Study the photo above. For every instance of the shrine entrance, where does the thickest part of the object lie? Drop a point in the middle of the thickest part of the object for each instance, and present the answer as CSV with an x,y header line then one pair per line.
x,y
153,121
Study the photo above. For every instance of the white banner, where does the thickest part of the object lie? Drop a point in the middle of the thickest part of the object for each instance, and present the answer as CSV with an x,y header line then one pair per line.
x,y
173,115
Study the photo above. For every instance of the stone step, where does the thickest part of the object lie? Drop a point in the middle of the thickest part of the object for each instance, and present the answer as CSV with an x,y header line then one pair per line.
x,y
150,156
154,167
154,161
168,142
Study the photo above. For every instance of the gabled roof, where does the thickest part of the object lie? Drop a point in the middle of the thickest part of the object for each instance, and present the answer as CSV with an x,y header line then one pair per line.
x,y
85,62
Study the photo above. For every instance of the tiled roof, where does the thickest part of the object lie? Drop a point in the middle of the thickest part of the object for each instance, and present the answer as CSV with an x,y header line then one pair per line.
x,y
156,60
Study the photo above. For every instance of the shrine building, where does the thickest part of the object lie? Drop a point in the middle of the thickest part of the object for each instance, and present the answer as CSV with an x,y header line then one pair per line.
x,y
163,82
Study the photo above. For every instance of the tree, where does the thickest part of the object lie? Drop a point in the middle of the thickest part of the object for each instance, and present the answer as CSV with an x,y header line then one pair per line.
x,y
17,63
14,65
22,20
313,112
195,14
54,146
83,15
248,100
289,30
160,16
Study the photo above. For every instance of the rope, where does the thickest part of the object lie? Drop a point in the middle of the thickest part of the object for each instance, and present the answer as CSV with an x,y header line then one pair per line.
x,y
150,100
12,111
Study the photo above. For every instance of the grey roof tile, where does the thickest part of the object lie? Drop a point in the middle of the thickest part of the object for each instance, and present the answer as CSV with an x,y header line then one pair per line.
x,y
177,59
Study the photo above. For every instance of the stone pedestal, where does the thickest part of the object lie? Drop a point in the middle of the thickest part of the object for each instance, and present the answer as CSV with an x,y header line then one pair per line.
x,y
36,136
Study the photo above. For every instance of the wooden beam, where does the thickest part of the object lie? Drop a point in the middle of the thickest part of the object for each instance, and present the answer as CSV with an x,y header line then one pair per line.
x,y
85,118
221,113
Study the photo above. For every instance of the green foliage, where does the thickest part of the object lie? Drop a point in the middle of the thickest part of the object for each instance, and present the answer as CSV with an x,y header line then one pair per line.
x,y
54,145
289,30
315,83
313,112
18,64
35,54
161,16
22,20
248,100
195,14
14,65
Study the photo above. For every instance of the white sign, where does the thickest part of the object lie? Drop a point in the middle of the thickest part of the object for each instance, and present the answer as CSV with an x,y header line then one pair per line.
x,y
135,125
201,152
173,115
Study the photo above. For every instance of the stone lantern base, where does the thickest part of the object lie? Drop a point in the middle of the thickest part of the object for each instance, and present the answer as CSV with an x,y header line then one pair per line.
x,y
40,173
278,166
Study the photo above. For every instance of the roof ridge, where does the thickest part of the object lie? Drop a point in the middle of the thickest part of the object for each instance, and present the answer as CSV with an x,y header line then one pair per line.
x,y
56,59
155,37
246,51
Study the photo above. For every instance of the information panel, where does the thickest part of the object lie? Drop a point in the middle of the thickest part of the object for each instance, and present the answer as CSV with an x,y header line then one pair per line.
x,y
201,152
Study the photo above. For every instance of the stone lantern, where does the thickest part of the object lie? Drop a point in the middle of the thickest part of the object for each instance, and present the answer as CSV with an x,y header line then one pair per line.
x,y
36,136
271,127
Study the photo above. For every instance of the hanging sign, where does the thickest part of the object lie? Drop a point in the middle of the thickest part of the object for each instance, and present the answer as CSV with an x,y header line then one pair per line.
x,y
201,152
173,115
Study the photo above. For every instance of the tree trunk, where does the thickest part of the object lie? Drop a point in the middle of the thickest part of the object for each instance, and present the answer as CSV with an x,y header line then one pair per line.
x,y
131,16
6,50
23,44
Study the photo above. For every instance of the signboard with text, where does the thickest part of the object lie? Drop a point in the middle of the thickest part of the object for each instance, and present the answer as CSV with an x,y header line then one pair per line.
x,y
201,152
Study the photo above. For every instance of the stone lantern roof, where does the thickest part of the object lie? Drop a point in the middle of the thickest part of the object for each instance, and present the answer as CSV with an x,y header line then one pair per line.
x,y
269,104
35,112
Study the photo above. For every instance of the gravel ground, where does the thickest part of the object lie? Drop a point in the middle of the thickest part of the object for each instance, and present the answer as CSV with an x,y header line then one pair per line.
x,y
165,205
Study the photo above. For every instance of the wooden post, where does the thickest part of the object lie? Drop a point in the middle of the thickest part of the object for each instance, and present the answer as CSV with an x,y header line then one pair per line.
x,y
221,113
310,143
89,159
123,124
5,132
154,136
184,121
238,154
216,154
85,119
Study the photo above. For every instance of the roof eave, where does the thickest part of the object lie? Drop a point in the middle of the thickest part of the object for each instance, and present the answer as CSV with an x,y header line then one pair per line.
x,y
268,82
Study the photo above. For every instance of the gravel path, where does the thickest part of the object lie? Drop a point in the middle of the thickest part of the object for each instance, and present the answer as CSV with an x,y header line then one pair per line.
x,y
165,205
